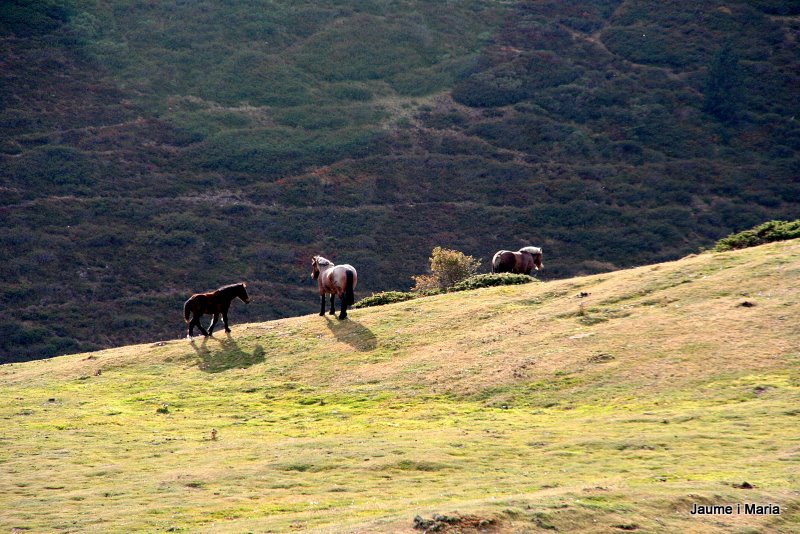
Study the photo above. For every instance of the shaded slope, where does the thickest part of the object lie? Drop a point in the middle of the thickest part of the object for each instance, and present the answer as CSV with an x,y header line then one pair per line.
x,y
528,406
154,150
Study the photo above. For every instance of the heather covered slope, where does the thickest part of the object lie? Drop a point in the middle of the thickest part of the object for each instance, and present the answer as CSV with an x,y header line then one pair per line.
x,y
518,408
149,150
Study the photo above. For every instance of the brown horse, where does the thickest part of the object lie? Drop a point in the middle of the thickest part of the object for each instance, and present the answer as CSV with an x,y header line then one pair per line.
x,y
334,280
523,261
213,303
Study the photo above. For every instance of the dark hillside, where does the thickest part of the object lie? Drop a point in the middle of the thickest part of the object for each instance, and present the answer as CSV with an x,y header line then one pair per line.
x,y
150,150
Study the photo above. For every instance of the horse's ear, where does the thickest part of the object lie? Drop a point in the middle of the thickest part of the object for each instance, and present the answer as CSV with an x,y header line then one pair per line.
x,y
244,284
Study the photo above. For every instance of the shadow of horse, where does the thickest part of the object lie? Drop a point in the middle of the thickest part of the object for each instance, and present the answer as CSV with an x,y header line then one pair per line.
x,y
353,333
228,356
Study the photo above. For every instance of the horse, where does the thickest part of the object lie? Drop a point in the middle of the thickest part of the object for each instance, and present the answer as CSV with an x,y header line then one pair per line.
x,y
334,280
213,303
521,262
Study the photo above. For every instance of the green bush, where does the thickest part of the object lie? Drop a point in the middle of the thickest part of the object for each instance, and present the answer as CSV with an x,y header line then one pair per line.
x,y
492,279
777,7
724,93
25,18
764,233
385,297
473,282
447,267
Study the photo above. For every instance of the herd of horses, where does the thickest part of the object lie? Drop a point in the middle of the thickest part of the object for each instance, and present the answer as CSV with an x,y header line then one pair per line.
x,y
333,280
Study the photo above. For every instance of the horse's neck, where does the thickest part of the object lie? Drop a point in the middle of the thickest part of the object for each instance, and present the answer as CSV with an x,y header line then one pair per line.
x,y
322,270
228,293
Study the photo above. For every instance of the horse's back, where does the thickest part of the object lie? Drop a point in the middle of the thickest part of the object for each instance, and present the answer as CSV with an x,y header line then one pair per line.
x,y
196,298
346,267
206,303
341,275
503,261
336,278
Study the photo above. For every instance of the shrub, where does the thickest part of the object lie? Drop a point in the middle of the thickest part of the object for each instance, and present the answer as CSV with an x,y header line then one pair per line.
x,y
723,91
489,280
425,282
764,233
25,18
448,267
385,297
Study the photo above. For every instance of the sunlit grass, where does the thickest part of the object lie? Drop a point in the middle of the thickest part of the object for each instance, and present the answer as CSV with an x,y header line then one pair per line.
x,y
500,403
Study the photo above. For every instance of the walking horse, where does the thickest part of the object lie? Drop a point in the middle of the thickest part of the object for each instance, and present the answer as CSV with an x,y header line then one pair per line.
x,y
213,303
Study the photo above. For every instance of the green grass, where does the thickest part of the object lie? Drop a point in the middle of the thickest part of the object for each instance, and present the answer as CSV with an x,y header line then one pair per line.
x,y
495,405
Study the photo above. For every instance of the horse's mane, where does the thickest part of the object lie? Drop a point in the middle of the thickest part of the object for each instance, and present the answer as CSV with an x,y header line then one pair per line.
x,y
531,250
323,261
232,286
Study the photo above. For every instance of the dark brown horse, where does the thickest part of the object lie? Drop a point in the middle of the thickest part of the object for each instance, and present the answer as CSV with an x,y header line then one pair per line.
x,y
213,303
523,261
334,280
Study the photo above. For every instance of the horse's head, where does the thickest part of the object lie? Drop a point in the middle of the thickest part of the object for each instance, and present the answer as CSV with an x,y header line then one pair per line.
x,y
319,264
537,261
315,267
536,254
242,293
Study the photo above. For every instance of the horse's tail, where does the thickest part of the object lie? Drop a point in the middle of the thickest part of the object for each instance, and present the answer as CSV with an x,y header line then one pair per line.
x,y
348,288
187,310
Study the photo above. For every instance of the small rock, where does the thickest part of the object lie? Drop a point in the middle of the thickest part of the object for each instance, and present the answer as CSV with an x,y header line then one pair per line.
x,y
744,485
746,304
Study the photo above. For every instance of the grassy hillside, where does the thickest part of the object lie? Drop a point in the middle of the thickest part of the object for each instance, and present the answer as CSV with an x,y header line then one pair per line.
x,y
517,408
149,150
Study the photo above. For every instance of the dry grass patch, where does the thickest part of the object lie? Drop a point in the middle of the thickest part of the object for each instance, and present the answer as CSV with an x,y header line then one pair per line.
x,y
497,404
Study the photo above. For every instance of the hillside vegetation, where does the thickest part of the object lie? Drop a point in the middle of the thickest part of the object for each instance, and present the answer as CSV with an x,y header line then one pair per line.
x,y
150,150
610,402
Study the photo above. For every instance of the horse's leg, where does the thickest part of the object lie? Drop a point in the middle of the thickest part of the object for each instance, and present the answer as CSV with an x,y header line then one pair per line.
x,y
333,308
213,324
196,322
322,304
225,321
343,313
191,327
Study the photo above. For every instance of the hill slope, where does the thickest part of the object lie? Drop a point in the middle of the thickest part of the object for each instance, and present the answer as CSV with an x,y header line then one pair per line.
x,y
525,407
150,150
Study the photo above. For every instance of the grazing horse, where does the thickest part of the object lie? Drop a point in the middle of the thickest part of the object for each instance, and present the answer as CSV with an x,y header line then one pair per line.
x,y
521,262
334,280
213,303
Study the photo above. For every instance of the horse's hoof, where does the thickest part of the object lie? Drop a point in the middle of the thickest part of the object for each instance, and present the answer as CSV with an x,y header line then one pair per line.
x,y
322,314
342,317
227,330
